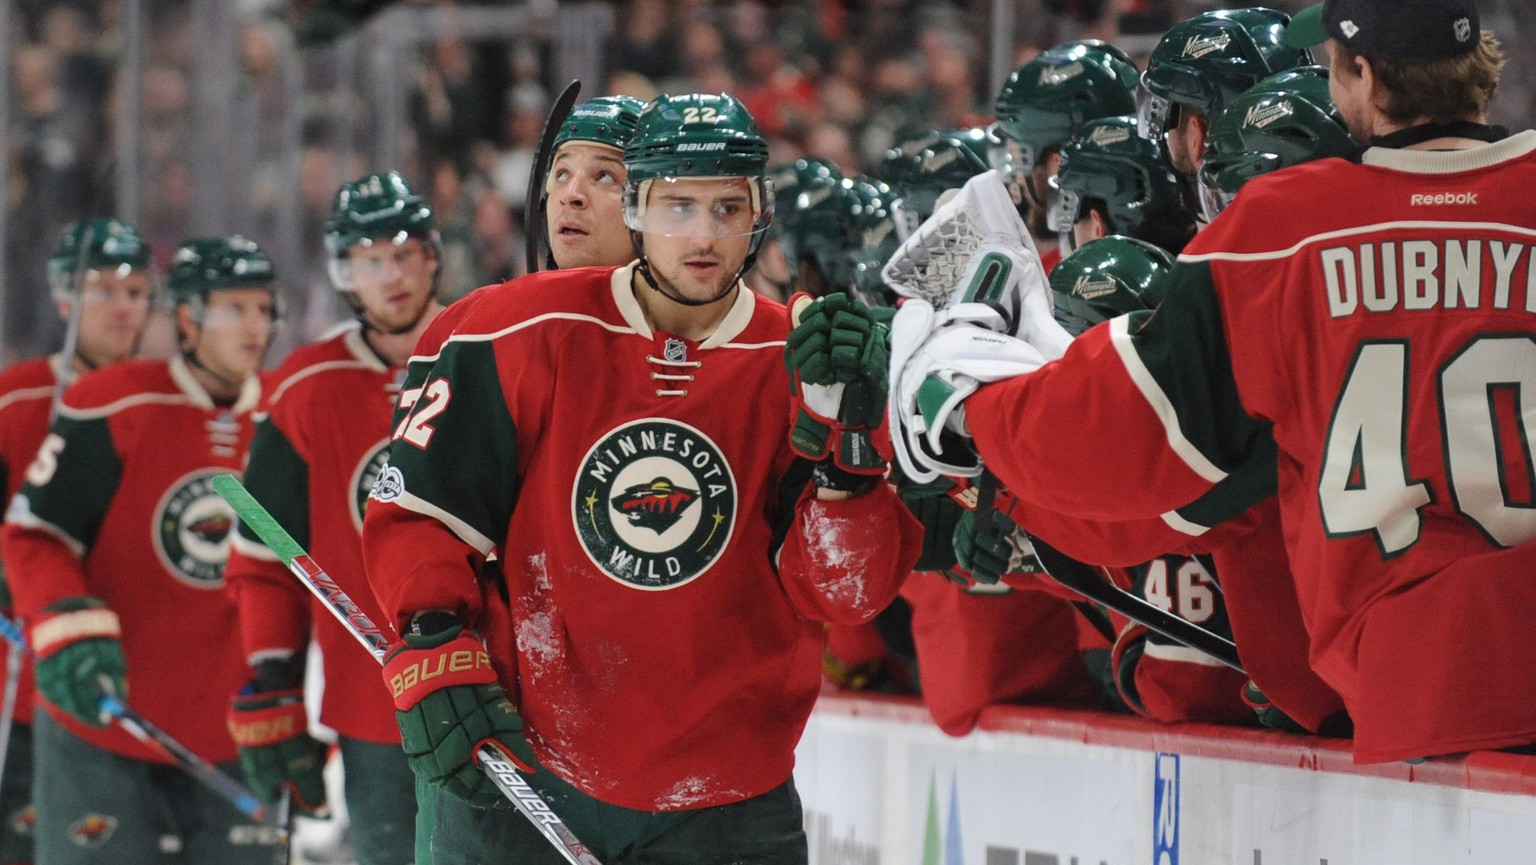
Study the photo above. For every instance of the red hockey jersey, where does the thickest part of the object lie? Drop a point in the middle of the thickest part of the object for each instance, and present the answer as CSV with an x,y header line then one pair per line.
x,y
667,570
1386,358
26,398
322,436
118,505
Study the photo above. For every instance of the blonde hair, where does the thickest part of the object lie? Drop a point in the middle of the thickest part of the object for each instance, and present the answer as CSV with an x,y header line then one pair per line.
x,y
1435,89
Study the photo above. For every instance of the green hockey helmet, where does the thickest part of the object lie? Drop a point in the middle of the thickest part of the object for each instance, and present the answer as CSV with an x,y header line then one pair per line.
x,y
876,232
811,218
1105,278
697,136
1205,62
1284,120
112,244
922,167
608,120
376,208
1044,100
1126,178
204,265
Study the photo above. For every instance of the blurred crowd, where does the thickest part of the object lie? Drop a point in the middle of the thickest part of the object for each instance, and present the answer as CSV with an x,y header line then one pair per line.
x,y
838,79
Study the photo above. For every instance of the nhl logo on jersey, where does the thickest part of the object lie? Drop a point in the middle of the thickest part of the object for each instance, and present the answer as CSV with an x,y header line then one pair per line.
x,y
364,477
675,350
654,503
192,529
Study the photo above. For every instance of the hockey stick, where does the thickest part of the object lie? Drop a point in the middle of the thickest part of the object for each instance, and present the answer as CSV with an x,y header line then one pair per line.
x,y
497,768
533,224
140,728
1087,581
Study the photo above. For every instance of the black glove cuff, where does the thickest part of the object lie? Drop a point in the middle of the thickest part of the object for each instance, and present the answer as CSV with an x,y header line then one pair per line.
x,y
279,674
432,622
828,475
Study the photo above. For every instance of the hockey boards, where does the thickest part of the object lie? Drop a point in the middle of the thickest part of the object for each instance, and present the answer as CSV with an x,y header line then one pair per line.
x,y
498,769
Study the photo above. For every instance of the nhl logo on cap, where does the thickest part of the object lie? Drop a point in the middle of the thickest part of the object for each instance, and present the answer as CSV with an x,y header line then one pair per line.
x,y
1463,29
1389,28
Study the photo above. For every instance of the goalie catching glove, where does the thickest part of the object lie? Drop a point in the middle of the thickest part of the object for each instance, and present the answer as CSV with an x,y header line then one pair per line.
x,y
449,704
80,658
938,358
836,356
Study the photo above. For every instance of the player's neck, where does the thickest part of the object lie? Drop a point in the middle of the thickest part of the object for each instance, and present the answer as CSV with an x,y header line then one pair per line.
x,y
1382,134
696,323
396,348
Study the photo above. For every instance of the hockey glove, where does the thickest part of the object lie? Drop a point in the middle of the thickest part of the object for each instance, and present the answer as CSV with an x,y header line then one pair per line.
x,y
990,556
448,705
836,356
271,729
79,653
938,513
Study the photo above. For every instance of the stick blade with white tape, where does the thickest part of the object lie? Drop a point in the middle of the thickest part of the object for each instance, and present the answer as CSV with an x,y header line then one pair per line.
x,y
506,778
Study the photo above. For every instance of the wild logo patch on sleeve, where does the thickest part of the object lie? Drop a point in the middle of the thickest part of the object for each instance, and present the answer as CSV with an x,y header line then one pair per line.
x,y
192,526
654,503
364,477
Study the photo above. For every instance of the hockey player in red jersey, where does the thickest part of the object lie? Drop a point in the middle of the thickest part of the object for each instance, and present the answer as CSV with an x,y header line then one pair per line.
x,y
117,545
584,191
321,439
113,290
1384,348
620,436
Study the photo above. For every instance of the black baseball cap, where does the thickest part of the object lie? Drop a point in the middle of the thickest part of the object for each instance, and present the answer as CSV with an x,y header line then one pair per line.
x,y
1390,28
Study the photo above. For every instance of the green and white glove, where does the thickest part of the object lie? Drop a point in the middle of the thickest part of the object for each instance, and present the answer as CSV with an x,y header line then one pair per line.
x,y
79,652
270,726
1004,551
837,356
449,704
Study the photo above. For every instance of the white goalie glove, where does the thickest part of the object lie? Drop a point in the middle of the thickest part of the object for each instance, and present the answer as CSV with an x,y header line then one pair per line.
x,y
938,358
976,248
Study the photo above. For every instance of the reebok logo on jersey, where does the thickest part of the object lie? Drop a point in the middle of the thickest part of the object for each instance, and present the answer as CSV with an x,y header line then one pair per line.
x,y
1054,75
1443,198
654,503
1196,47
1260,116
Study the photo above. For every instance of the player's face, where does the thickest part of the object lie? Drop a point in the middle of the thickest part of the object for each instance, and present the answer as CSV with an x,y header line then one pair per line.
x,y
113,315
234,333
1186,141
392,282
697,233
586,207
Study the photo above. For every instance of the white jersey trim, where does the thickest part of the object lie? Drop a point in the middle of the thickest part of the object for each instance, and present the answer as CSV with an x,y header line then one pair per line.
x,y
1452,161
1179,654
463,530
1179,524
367,364
527,323
1271,255
26,394
250,390
1120,338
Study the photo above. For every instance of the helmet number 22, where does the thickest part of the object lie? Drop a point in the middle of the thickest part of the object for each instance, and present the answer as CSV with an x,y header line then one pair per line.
x,y
1488,444
701,114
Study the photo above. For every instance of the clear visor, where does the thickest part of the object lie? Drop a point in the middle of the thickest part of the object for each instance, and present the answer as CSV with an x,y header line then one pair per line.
x,y
373,262
1152,114
108,284
1213,199
699,206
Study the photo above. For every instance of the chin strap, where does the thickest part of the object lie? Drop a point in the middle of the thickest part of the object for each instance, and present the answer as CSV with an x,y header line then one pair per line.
x,y
190,356
643,268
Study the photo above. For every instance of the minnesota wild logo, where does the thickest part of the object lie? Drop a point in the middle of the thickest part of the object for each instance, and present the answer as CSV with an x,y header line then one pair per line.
x,y
364,475
654,503
192,527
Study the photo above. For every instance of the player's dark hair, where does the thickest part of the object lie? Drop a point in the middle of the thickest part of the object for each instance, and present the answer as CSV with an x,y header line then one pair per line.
x,y
1433,90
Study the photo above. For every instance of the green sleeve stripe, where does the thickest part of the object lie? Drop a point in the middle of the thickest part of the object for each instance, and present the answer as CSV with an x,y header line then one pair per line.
x,y
75,498
277,476
1180,360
